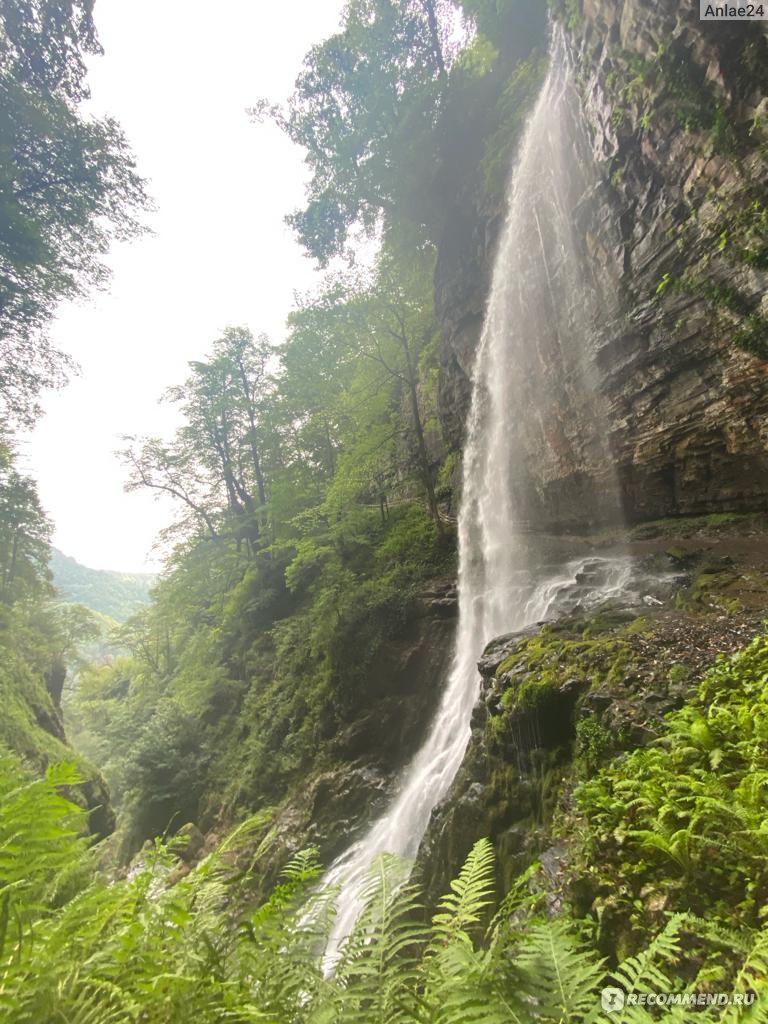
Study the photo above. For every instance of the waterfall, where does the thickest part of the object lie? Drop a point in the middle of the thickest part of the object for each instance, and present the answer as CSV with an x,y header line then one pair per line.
x,y
532,386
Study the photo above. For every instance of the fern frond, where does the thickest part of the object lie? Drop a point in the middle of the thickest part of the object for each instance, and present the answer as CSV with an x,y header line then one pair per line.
x,y
470,894
752,977
377,971
560,976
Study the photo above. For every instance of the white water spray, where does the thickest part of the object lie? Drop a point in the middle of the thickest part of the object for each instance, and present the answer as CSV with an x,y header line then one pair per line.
x,y
530,375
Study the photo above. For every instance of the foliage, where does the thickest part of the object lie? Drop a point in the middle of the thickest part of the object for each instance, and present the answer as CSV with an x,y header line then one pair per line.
x,y
67,186
680,823
668,83
304,476
38,638
117,595
226,650
363,108
513,107
391,109
550,656
164,945
309,495
24,534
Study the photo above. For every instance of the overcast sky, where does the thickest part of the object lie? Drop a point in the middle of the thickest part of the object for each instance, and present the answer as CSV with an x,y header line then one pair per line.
x,y
178,75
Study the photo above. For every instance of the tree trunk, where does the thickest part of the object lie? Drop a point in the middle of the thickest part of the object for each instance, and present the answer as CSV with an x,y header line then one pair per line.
x,y
434,35
421,444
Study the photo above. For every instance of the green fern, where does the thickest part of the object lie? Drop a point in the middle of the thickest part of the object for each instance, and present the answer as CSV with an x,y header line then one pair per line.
x,y
146,951
376,975
558,974
471,893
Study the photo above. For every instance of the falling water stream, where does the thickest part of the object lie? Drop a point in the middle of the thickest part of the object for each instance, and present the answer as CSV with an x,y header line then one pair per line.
x,y
530,375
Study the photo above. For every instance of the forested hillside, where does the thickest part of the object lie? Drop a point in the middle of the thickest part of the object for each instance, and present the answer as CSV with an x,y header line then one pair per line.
x,y
607,822
314,483
117,595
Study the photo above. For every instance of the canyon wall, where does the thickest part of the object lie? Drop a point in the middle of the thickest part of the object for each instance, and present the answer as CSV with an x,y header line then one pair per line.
x,y
676,234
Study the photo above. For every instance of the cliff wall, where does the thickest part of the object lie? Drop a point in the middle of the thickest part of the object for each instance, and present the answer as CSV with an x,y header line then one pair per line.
x,y
675,233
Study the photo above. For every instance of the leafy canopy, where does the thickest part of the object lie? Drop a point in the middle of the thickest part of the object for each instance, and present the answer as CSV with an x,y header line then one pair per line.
x,y
68,185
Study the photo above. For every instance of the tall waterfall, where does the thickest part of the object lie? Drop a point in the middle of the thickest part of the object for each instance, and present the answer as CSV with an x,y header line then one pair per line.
x,y
531,381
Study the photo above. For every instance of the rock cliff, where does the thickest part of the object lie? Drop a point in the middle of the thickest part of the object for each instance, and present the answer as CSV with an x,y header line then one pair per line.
x,y
675,232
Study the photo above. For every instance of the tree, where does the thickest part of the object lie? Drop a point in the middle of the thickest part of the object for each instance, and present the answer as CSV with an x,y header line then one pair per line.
x,y
244,364
44,44
25,534
319,364
226,403
354,381
218,464
401,325
68,185
171,470
363,109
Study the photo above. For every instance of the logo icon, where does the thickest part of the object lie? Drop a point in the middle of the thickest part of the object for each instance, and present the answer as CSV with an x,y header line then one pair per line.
x,y
612,999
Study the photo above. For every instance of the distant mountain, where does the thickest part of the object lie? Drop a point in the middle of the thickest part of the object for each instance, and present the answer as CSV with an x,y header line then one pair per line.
x,y
116,594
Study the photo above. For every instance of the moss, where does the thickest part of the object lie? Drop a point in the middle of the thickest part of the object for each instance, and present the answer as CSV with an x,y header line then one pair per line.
x,y
639,627
568,11
447,477
675,553
679,674
718,590
531,695
686,526
593,742
26,707
543,664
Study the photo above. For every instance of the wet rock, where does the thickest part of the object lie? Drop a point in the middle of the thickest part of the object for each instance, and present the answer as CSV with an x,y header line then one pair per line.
x,y
332,810
440,599
445,607
500,648
96,799
190,842
686,406
592,687
402,692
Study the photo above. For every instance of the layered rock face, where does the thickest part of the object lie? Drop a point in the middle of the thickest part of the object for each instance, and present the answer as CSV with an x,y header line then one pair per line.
x,y
675,235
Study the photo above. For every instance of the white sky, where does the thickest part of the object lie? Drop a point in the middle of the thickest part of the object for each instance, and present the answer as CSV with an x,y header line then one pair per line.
x,y
178,75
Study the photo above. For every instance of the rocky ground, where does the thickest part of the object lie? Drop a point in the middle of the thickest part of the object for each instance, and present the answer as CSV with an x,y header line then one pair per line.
x,y
564,697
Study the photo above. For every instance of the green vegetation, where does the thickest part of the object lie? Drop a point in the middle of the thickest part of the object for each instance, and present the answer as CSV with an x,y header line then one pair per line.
x,y
679,825
167,946
668,83
67,185
117,595
305,479
314,493
38,638
391,108
513,107
312,482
